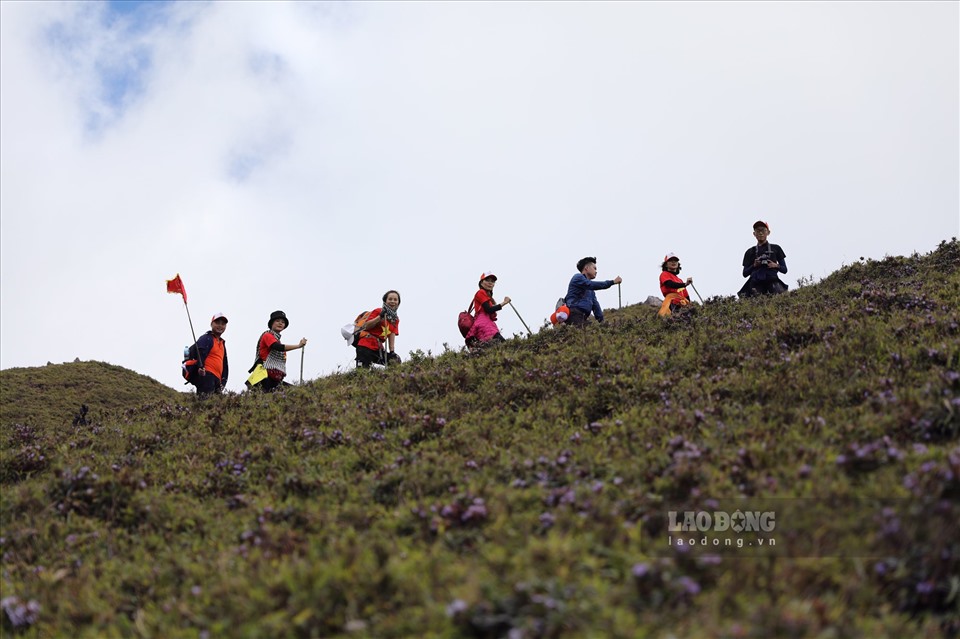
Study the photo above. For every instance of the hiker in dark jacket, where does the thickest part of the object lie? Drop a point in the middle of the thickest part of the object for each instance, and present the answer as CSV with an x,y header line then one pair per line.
x,y
380,330
213,354
581,299
761,264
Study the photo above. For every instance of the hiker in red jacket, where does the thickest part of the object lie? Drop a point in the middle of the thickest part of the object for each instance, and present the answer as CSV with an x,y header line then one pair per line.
x,y
273,353
485,309
673,288
378,331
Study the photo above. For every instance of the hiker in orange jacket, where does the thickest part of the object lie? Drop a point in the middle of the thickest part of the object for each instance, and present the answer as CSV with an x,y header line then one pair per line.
x,y
212,376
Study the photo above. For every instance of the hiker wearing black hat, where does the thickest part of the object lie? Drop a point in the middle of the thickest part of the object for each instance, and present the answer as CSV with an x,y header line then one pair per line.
x,y
762,263
213,356
273,354
581,298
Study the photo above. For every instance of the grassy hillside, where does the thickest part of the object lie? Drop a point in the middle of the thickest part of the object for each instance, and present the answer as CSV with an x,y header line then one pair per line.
x,y
525,491
52,395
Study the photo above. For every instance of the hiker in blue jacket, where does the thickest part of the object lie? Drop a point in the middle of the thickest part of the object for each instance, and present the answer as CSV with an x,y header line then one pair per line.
x,y
581,299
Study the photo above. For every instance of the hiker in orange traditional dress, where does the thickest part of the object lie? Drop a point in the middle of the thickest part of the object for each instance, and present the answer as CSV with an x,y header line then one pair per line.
x,y
674,290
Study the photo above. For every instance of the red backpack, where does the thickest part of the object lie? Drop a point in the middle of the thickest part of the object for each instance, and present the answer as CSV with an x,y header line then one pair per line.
x,y
465,320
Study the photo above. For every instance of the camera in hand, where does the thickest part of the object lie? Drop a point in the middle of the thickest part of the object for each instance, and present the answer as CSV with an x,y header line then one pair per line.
x,y
766,258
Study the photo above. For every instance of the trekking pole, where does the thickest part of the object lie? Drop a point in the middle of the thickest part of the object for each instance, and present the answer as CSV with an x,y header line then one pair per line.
x,y
301,363
696,291
521,319
619,299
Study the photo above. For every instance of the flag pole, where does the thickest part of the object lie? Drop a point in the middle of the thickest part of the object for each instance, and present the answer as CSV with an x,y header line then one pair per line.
x,y
192,332
176,287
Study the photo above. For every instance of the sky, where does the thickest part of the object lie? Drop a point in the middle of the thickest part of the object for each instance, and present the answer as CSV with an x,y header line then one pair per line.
x,y
310,156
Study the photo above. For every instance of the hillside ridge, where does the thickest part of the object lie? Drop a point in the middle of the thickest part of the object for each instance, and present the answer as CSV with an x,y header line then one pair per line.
x,y
526,490
55,393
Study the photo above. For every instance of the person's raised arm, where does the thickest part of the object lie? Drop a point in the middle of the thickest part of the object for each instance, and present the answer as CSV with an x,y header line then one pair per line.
x,y
293,347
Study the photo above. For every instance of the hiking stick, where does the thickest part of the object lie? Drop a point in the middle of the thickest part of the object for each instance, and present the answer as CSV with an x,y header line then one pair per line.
x,y
696,291
301,363
619,299
521,319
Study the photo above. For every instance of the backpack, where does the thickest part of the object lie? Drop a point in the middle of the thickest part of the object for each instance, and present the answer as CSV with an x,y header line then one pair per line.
x,y
465,320
190,364
352,332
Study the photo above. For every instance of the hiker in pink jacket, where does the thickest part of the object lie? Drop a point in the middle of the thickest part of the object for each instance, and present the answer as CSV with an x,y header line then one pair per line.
x,y
485,309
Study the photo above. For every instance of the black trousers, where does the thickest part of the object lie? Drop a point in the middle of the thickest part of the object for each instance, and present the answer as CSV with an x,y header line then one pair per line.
x,y
768,287
269,384
366,357
208,384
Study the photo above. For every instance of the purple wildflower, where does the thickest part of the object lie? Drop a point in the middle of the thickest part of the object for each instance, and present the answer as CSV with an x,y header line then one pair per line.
x,y
456,607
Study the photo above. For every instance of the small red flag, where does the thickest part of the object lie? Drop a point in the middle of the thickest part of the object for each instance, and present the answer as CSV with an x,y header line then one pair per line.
x,y
176,286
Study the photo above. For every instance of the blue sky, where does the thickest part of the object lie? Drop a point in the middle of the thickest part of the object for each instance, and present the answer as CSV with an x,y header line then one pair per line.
x,y
310,156
114,39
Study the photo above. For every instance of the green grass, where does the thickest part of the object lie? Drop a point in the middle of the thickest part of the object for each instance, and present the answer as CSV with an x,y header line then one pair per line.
x,y
517,492
51,396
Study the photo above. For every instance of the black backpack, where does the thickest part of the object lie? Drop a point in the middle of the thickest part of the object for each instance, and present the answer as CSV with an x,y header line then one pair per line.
x,y
190,364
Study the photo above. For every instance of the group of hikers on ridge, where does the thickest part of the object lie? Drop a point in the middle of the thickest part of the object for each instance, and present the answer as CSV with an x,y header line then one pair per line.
x,y
373,333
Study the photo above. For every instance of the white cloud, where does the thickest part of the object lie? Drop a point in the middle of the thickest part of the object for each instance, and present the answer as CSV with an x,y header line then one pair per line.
x,y
310,156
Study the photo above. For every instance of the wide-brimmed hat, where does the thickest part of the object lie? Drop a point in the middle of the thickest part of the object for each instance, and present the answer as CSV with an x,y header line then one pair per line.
x,y
274,316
